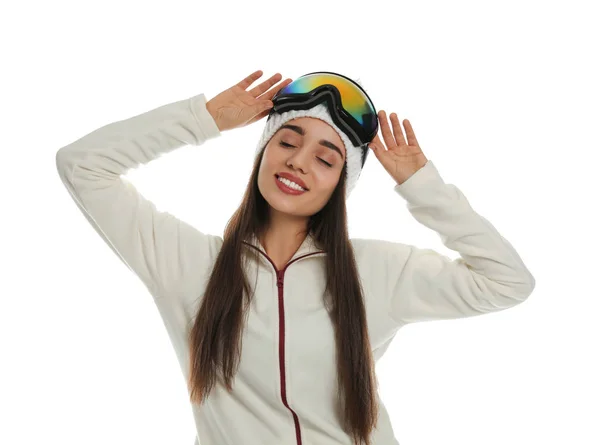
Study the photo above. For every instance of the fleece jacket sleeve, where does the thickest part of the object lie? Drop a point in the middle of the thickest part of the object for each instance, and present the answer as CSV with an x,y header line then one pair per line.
x,y
423,285
160,249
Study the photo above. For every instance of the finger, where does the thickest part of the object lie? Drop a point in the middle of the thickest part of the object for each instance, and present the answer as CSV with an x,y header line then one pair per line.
x,y
261,111
269,94
397,129
377,141
385,130
410,133
376,144
260,115
261,88
256,118
378,147
248,80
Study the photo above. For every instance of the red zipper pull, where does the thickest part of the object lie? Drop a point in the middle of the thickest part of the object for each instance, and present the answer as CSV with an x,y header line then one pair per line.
x,y
279,278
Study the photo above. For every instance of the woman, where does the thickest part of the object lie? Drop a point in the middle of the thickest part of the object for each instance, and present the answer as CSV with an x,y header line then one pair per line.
x,y
321,308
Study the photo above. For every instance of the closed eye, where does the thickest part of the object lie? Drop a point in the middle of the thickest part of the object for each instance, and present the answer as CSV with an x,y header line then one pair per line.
x,y
285,144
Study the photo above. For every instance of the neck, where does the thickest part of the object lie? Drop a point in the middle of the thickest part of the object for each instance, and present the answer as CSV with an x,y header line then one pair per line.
x,y
283,235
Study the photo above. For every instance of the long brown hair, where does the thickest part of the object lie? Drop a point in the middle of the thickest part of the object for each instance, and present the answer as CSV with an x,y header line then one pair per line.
x,y
215,337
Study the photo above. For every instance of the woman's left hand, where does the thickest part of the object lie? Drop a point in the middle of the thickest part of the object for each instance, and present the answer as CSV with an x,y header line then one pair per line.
x,y
401,160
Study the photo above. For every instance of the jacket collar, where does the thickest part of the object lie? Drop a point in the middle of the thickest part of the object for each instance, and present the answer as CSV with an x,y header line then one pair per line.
x,y
309,245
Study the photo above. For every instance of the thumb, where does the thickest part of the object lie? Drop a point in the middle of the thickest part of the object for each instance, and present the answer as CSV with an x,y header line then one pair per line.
x,y
262,106
375,145
374,148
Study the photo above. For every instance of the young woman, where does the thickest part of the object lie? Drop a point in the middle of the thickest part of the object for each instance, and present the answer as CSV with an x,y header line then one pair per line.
x,y
277,324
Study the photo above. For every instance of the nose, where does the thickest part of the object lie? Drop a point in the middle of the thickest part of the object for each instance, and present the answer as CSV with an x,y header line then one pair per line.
x,y
300,159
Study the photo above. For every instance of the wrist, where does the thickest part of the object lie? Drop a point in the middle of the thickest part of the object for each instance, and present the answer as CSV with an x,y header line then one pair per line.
x,y
213,113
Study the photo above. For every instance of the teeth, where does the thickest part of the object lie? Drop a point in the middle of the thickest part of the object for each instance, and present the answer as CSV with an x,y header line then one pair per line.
x,y
290,184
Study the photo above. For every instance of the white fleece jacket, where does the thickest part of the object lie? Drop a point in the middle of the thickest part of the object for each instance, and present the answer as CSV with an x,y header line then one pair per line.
x,y
285,391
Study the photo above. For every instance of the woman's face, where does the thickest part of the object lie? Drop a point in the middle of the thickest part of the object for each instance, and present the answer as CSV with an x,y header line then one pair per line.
x,y
302,147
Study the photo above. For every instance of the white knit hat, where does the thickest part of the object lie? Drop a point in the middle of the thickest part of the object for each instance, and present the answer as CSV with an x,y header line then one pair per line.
x,y
354,155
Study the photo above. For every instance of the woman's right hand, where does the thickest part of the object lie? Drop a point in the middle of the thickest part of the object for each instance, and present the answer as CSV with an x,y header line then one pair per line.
x,y
236,107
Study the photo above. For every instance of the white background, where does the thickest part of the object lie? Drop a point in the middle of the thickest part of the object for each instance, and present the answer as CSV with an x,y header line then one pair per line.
x,y
503,97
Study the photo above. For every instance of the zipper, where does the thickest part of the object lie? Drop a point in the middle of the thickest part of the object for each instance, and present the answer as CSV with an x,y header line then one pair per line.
x,y
280,275
283,386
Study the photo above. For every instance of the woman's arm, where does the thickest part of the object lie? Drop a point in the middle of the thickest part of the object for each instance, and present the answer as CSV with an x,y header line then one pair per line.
x,y
422,284
160,249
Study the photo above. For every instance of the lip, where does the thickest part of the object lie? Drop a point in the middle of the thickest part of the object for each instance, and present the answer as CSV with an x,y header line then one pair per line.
x,y
291,177
285,189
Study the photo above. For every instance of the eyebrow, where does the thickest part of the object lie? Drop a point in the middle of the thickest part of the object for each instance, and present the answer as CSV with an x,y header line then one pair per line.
x,y
298,129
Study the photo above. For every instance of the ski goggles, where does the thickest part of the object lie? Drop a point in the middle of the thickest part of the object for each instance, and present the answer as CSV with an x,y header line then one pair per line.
x,y
349,105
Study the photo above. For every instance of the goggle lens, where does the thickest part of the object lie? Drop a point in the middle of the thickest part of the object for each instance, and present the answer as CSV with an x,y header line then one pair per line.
x,y
354,101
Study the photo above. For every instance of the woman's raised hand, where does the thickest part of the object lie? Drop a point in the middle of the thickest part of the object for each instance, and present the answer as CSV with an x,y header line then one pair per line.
x,y
236,107
399,158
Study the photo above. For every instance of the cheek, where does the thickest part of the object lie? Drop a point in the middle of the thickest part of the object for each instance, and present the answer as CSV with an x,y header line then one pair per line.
x,y
327,180
268,163
271,161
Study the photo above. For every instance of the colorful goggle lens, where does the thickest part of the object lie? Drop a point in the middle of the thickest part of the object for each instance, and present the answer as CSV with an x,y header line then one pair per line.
x,y
354,101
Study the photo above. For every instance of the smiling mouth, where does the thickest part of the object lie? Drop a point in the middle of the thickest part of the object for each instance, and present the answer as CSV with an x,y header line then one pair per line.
x,y
306,190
